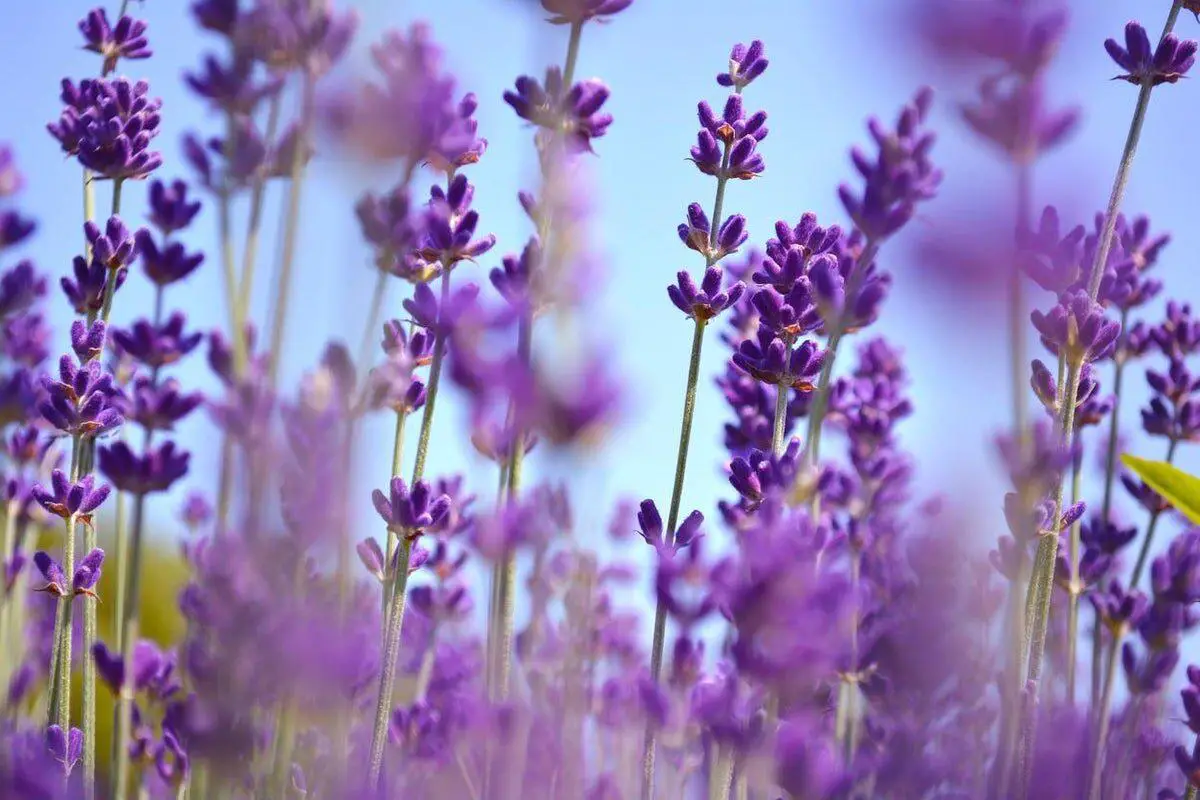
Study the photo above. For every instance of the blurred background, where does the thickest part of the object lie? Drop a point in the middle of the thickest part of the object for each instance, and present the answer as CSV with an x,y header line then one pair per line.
x,y
833,64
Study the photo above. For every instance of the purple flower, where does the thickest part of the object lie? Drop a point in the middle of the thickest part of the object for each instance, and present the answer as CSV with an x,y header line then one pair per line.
x,y
115,246
65,499
410,513
13,227
1078,326
1013,117
20,288
572,112
66,749
232,87
771,360
388,222
412,115
1167,63
295,34
706,301
899,178
439,318
87,289
577,12
517,277
126,40
157,347
167,264
1120,609
87,574
152,669
157,406
740,135
79,403
109,125
746,62
1147,674
171,210
696,233
449,227
155,471
650,528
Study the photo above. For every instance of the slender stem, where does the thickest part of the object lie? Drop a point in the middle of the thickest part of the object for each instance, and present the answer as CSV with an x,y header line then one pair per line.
x,y
507,574
431,392
1102,718
128,636
1143,555
1073,591
89,209
781,404
387,673
572,54
425,672
241,309
720,775
1017,319
390,551
1040,590
660,611
283,288
850,681
1110,457
237,335
59,705
395,612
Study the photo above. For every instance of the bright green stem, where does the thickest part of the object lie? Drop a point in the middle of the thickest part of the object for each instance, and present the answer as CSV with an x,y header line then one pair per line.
x,y
283,289
660,612
1102,718
241,309
128,633
1073,592
387,673
1139,566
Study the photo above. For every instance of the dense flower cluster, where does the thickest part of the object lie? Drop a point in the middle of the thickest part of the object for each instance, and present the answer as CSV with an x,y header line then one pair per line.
x,y
825,635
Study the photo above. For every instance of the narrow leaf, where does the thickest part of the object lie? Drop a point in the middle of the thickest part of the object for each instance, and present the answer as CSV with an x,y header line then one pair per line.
x,y
1176,486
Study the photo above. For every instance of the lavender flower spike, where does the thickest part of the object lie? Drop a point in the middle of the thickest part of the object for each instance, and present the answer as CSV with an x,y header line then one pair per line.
x,y
1169,62
706,301
409,513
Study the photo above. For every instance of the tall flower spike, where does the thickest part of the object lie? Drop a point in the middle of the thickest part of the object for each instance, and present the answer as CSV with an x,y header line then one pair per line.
x,y
65,499
170,208
1167,63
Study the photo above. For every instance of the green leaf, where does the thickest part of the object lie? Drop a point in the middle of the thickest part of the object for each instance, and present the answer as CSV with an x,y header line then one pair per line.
x,y
1180,489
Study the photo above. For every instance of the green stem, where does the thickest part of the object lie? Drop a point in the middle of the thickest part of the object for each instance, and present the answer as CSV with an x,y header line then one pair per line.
x,y
59,705
781,404
241,309
1102,718
507,588
390,550
128,634
395,612
1073,591
1139,566
850,681
237,334
1126,165
387,673
283,288
660,612
1110,457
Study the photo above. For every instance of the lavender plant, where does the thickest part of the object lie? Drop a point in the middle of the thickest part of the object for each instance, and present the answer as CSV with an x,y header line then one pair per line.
x,y
824,634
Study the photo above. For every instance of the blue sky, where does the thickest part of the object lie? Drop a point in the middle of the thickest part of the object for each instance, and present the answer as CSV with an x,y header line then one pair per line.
x,y
832,65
